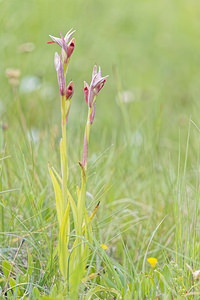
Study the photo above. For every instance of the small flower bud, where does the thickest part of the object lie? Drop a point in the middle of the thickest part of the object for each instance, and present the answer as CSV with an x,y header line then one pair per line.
x,y
70,48
86,91
69,90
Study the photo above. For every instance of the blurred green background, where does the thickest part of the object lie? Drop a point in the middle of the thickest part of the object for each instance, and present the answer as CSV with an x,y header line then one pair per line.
x,y
155,48
154,45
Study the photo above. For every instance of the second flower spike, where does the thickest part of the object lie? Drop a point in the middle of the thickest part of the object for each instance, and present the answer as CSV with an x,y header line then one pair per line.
x,y
96,85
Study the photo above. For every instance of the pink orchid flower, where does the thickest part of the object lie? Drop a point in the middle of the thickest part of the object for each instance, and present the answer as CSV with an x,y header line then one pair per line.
x,y
63,42
96,85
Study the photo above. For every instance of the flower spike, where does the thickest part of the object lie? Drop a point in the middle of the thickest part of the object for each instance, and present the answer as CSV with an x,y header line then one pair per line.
x,y
96,85
90,93
98,81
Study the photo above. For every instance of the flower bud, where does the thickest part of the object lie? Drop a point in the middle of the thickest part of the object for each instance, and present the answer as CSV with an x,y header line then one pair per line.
x,y
69,90
70,48
86,91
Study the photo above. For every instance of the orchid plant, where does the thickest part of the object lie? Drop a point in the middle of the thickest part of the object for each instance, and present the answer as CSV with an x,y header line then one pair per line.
x,y
72,261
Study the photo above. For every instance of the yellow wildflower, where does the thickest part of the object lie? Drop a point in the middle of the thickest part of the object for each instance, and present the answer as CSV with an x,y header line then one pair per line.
x,y
152,261
104,247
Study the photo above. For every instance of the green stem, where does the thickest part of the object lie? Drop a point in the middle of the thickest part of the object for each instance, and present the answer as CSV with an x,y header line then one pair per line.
x,y
63,154
63,145
82,195
65,67
2,218
88,128
87,135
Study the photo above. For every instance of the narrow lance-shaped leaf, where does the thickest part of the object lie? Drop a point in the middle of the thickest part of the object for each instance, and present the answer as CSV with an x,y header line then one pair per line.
x,y
81,199
58,196
92,216
74,209
63,252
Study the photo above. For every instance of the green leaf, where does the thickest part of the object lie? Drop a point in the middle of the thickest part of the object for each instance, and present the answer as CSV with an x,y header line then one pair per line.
x,y
15,288
54,291
63,156
30,265
35,294
63,252
81,200
88,227
51,298
57,175
6,267
41,199
101,289
12,282
37,268
74,209
58,196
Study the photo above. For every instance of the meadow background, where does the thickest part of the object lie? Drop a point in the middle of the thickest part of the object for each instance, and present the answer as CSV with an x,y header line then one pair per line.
x,y
144,147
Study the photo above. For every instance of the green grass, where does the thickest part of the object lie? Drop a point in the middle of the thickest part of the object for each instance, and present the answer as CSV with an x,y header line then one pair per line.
x,y
143,157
